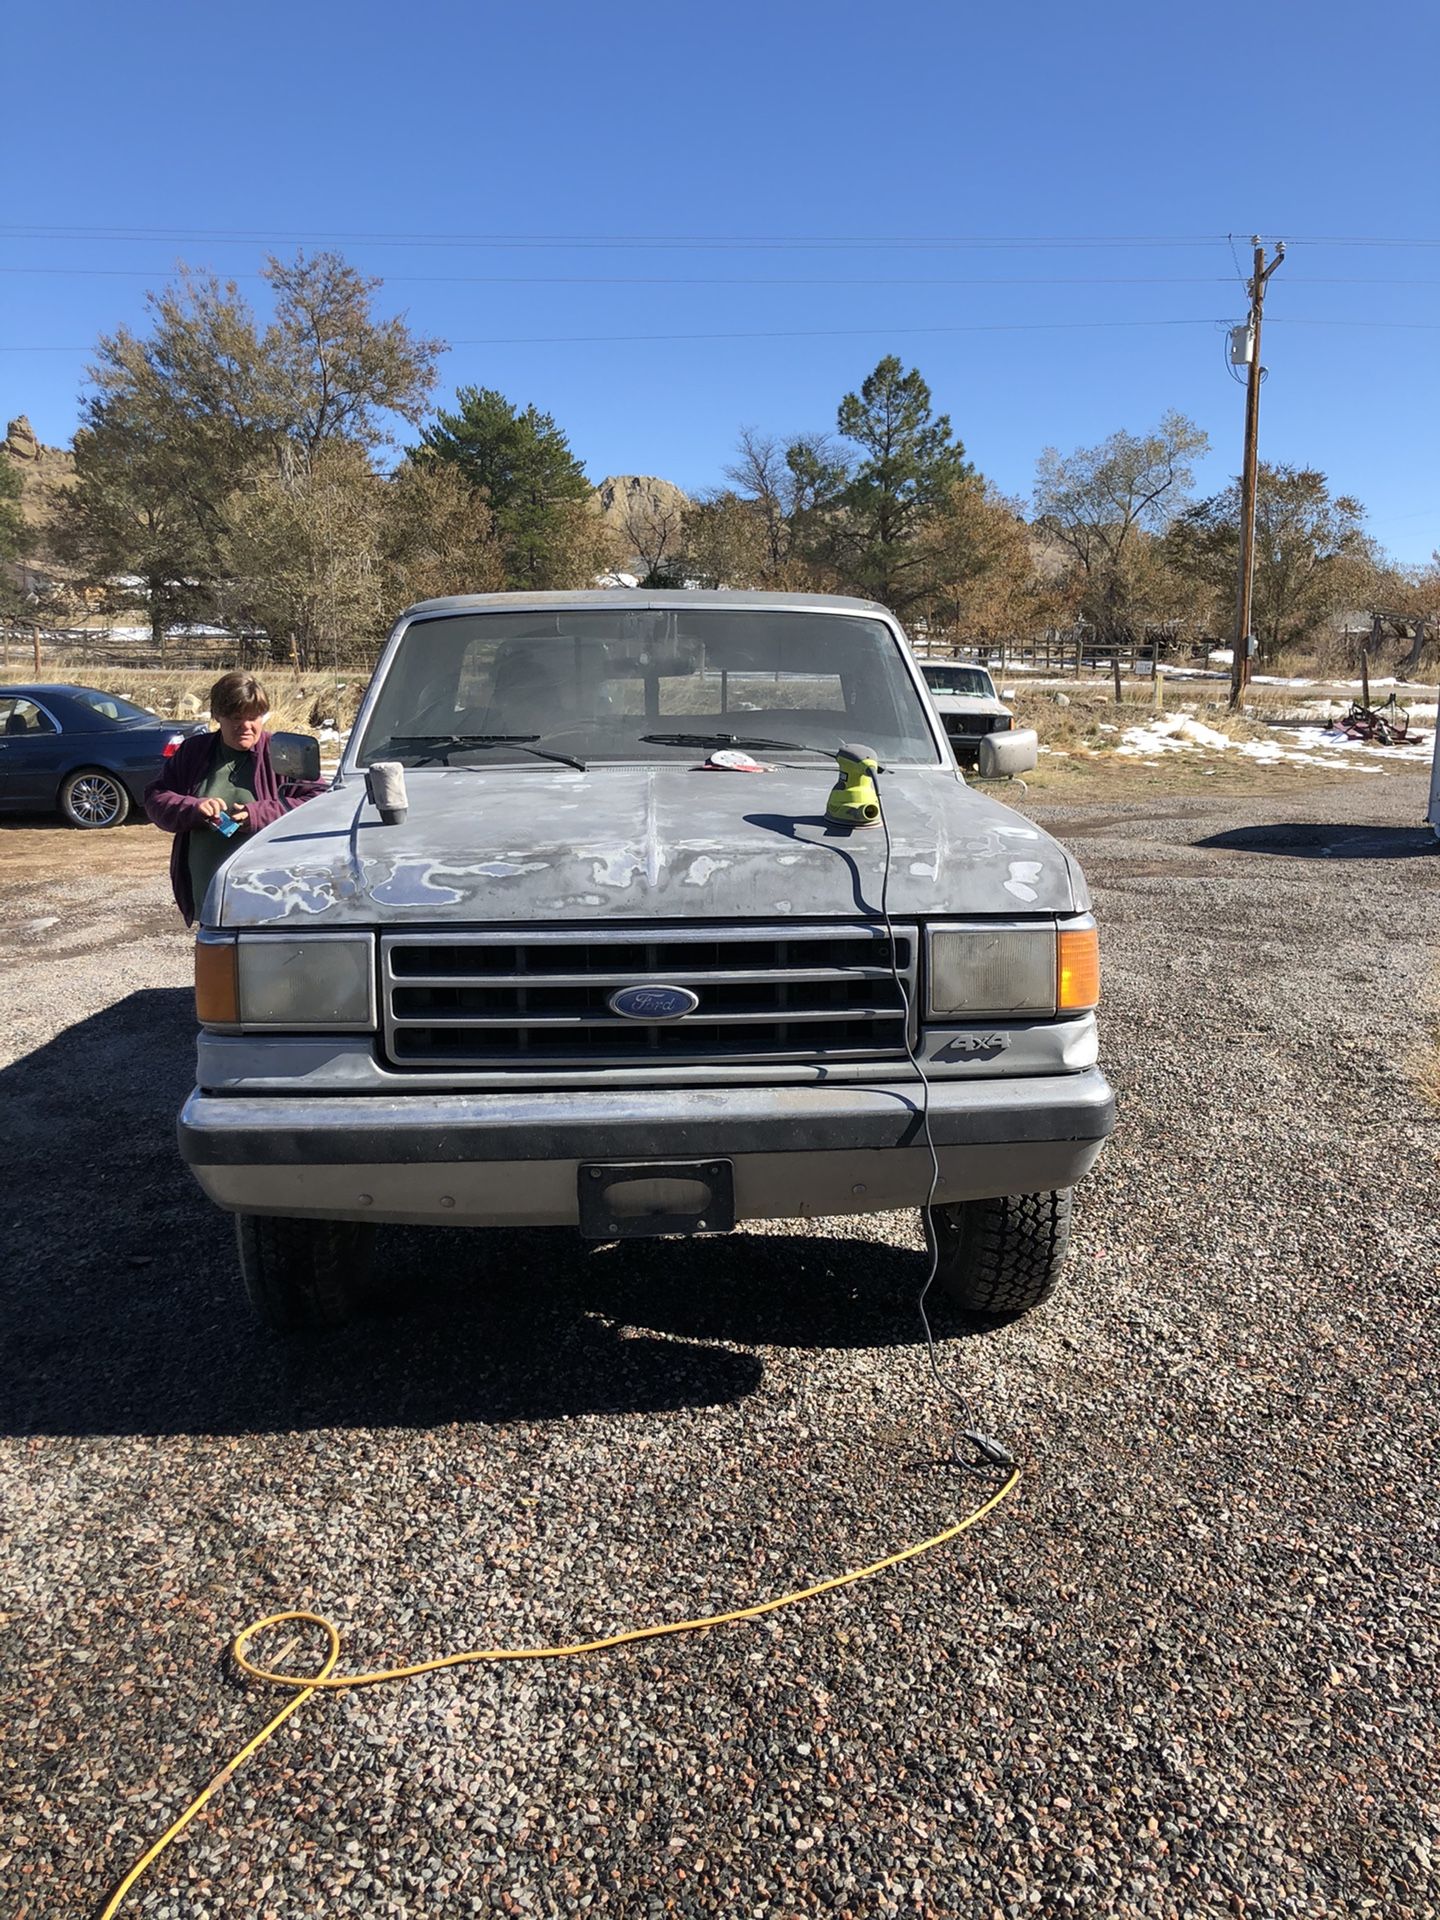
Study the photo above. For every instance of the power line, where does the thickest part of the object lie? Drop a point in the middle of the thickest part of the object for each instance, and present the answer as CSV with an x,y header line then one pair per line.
x,y
785,333
51,231
830,333
710,280
1402,326
850,333
686,242
755,280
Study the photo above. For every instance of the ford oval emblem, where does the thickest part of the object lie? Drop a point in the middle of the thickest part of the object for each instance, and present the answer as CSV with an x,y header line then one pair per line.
x,y
653,1003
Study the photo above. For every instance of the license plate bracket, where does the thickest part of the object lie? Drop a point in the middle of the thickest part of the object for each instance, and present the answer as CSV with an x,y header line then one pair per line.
x,y
604,1214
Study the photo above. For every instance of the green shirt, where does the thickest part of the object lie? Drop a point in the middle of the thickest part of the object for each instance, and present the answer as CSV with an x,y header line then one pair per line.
x,y
232,779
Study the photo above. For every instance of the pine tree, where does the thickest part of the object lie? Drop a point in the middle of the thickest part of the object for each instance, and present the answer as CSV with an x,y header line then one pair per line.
x,y
536,488
909,463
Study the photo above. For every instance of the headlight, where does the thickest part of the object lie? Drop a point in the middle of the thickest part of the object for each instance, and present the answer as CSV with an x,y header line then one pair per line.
x,y
314,980
986,972
992,970
216,993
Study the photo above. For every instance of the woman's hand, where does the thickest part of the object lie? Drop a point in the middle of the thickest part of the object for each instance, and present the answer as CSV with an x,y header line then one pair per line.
x,y
212,809
241,817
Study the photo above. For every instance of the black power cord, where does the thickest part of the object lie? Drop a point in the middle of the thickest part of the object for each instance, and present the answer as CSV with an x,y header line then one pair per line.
x,y
989,1449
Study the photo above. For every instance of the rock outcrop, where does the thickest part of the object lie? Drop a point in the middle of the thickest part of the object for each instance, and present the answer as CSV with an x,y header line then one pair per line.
x,y
42,470
625,494
647,517
45,472
20,441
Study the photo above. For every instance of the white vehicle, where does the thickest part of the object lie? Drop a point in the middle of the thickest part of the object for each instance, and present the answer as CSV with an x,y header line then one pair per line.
x,y
539,958
968,705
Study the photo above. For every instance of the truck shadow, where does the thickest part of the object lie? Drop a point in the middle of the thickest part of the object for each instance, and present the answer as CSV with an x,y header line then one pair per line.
x,y
121,1309
1303,840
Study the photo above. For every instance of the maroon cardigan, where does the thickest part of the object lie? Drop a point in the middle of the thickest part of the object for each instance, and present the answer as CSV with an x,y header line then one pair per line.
x,y
171,803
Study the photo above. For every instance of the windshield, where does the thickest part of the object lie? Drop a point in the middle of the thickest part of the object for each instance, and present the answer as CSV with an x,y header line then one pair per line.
x,y
109,706
648,684
958,679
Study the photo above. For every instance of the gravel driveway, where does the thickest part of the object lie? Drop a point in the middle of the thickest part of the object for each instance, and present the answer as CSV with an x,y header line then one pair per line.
x,y
1188,1669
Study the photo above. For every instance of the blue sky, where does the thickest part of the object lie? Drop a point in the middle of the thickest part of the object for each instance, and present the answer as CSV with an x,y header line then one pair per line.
x,y
421,138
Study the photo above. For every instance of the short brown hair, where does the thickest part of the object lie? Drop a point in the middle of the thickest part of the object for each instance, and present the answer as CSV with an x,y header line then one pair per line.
x,y
238,696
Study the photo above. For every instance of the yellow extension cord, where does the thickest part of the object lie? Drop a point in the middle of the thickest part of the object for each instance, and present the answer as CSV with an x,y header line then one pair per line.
x,y
322,1681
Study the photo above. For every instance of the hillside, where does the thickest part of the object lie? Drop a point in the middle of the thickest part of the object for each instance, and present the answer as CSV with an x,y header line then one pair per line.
x,y
42,470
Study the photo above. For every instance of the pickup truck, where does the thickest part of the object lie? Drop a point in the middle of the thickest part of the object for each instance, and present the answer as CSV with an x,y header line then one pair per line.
x,y
601,954
969,708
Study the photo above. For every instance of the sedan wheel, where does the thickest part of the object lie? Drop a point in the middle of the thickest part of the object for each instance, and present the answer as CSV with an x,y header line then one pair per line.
x,y
91,798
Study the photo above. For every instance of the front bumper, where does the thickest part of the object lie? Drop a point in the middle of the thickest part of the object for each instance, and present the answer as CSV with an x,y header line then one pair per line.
x,y
492,1159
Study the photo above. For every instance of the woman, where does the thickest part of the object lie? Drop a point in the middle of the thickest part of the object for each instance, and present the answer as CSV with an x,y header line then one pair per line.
x,y
225,774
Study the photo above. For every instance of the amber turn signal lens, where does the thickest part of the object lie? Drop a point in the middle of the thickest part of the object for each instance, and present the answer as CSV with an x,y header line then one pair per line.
x,y
1079,970
217,994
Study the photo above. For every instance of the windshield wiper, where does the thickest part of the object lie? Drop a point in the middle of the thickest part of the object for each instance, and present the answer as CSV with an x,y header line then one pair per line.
x,y
442,745
731,740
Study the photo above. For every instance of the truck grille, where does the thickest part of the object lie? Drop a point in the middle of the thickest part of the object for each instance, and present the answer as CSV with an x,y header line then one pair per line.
x,y
766,995
967,725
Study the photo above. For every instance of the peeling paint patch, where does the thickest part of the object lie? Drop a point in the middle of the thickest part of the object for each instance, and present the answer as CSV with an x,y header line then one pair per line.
x,y
501,869
1022,874
615,869
413,884
701,869
275,893
924,870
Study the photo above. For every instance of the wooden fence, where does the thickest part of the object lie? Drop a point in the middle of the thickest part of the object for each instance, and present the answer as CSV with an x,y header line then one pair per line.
x,y
43,651
1062,651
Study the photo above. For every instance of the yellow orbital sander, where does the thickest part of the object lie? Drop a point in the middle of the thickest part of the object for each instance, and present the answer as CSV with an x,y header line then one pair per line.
x,y
853,800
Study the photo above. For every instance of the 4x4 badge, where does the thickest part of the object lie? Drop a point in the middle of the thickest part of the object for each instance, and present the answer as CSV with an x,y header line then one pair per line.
x,y
989,1043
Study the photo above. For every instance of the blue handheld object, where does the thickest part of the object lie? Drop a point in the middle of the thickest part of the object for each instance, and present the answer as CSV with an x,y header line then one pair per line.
x,y
224,824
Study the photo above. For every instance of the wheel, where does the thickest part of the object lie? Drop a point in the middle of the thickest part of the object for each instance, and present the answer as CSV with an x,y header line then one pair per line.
x,y
94,798
303,1274
999,1258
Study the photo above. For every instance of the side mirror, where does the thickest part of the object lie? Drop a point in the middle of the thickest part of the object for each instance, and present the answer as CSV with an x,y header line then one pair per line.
x,y
295,756
1007,693
1003,755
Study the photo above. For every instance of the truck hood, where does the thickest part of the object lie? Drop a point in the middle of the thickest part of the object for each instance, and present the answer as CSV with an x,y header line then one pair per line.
x,y
967,703
522,844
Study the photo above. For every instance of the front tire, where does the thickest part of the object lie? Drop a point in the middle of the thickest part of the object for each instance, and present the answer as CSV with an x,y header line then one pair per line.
x,y
999,1258
303,1275
92,798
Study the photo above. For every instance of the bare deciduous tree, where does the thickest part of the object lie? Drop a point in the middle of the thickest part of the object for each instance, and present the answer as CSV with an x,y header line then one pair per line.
x,y
1100,504
335,369
652,530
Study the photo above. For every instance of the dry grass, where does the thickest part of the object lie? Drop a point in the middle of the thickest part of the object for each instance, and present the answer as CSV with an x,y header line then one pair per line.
x,y
1092,723
1082,738
300,702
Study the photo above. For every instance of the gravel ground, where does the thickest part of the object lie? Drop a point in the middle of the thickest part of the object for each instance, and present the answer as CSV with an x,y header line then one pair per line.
x,y
1188,1669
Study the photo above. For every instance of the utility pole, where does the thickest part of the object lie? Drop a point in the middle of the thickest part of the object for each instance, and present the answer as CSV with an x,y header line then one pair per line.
x,y
1240,667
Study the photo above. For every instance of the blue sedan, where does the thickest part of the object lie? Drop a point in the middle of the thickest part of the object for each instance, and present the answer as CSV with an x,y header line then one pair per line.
x,y
76,751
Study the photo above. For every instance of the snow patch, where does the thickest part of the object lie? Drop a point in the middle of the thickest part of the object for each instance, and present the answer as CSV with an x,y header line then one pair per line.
x,y
1299,746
